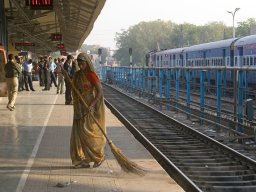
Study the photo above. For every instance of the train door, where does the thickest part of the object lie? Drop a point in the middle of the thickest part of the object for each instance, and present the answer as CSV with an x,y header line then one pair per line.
x,y
3,60
232,51
223,57
240,57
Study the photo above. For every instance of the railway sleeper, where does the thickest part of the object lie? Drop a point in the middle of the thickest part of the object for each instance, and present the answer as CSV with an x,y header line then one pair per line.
x,y
231,189
218,168
226,183
195,157
184,142
221,173
204,164
202,160
194,153
185,147
223,179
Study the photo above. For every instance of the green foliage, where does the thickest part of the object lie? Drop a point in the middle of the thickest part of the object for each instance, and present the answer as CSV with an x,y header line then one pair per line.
x,y
244,28
154,35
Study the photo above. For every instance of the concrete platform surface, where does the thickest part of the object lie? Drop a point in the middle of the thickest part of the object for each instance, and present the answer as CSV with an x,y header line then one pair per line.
x,y
34,151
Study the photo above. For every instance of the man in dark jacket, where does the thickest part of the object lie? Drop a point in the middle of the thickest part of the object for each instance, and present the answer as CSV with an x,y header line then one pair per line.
x,y
70,68
12,71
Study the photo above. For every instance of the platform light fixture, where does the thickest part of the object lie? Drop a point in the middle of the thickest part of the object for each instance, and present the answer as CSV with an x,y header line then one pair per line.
x,y
233,16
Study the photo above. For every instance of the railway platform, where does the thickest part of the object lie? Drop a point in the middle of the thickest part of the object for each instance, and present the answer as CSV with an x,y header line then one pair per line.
x,y
34,151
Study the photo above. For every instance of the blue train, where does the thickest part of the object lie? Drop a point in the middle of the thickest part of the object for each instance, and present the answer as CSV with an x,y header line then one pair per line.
x,y
239,52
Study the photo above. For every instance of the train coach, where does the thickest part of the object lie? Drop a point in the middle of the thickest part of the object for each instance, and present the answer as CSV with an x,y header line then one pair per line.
x,y
235,52
245,56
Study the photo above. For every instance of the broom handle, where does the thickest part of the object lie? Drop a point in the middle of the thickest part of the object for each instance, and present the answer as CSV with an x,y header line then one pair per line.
x,y
64,72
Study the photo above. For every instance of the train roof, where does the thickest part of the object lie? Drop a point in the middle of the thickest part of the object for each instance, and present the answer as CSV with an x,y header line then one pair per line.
x,y
246,40
211,45
176,50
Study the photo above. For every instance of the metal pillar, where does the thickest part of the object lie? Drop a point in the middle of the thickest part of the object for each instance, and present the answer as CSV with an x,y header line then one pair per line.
x,y
188,93
208,80
224,82
246,93
149,84
240,102
202,93
218,94
168,89
177,86
160,87
144,82
3,27
235,95
194,79
154,85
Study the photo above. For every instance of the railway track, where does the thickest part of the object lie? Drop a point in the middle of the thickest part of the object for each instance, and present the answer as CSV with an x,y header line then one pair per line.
x,y
196,161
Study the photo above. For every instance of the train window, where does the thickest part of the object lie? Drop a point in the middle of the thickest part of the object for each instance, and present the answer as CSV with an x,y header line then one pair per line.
x,y
244,61
235,61
254,60
251,60
221,62
248,60
228,61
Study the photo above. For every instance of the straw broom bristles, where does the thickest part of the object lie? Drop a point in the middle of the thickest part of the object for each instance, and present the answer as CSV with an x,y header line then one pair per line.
x,y
126,164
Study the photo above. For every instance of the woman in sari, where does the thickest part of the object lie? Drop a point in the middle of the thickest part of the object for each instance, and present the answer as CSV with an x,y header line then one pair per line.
x,y
87,141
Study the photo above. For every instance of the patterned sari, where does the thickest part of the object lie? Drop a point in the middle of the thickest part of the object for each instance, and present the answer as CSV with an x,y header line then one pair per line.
x,y
87,141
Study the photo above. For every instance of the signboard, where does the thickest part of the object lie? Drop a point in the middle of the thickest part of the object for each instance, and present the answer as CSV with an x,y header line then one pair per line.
x,y
61,46
56,37
41,4
24,44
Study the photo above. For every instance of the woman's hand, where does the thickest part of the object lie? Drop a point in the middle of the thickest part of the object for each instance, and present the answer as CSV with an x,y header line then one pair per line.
x,y
91,109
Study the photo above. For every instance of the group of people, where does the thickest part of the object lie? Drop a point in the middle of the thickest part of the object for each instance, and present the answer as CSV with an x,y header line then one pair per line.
x,y
49,72
87,141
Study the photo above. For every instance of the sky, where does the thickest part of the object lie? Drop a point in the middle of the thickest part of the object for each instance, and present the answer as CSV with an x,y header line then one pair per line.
x,y
118,15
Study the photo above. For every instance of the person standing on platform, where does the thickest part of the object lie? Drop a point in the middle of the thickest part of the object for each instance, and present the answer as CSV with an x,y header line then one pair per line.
x,y
12,71
52,67
41,72
47,76
60,84
21,75
68,66
27,75
87,142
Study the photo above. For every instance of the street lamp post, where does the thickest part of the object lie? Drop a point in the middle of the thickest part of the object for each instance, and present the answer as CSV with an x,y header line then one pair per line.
x,y
233,15
235,71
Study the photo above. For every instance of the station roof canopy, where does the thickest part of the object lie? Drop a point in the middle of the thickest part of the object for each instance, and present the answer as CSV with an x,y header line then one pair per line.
x,y
71,20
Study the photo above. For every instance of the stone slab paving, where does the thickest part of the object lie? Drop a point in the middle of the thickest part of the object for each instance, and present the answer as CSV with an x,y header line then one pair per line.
x,y
34,151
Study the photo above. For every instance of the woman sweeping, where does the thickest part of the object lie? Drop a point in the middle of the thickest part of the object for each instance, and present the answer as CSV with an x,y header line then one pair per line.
x,y
87,141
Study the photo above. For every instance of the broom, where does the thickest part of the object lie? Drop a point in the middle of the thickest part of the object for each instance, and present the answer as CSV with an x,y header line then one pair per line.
x,y
126,164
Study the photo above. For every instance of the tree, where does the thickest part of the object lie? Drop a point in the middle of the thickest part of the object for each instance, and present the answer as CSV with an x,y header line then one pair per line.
x,y
244,28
